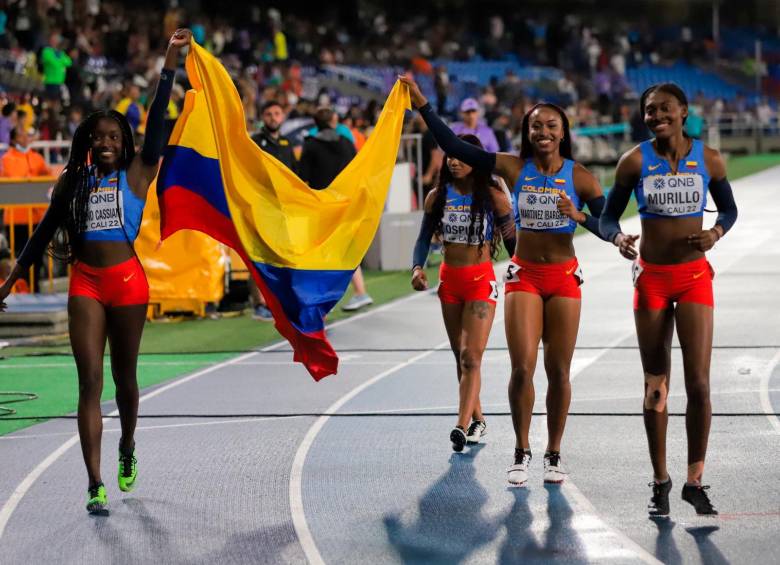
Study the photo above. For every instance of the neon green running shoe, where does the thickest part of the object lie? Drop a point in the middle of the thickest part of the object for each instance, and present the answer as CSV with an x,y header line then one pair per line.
x,y
97,503
128,471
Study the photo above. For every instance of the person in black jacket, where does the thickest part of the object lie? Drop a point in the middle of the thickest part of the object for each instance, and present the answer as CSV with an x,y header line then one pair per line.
x,y
269,138
324,156
326,153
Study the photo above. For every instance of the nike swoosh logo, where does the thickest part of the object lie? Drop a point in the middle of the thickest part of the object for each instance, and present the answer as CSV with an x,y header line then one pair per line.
x,y
127,278
697,275
479,278
532,178
653,167
570,271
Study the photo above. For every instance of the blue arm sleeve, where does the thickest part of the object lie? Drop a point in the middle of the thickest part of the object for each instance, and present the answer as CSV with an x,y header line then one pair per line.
x,y
423,244
455,147
609,222
42,235
591,223
724,199
155,121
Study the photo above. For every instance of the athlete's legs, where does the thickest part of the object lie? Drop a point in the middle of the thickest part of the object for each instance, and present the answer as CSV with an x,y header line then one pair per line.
x,y
125,325
561,323
87,327
694,330
524,313
477,322
654,329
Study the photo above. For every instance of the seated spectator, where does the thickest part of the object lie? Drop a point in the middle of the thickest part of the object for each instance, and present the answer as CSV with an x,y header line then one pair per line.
x,y
20,161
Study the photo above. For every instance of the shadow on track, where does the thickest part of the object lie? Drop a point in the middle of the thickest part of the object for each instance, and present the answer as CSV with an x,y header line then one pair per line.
x,y
561,542
450,525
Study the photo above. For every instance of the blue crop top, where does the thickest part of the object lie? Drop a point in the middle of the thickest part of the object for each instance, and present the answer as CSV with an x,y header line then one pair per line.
x,y
457,217
663,194
106,216
536,199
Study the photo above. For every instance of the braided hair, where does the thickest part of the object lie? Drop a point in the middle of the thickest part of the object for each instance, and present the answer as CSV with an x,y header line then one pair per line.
x,y
527,148
481,201
78,179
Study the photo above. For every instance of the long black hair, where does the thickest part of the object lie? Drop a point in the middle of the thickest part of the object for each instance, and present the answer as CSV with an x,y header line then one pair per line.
x,y
77,180
481,200
667,88
527,148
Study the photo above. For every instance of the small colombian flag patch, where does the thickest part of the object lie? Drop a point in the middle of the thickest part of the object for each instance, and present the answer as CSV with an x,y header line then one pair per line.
x,y
691,163
560,181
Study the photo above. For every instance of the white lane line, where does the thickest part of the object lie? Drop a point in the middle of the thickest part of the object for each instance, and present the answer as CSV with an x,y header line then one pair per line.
x,y
296,473
766,403
163,426
595,526
23,488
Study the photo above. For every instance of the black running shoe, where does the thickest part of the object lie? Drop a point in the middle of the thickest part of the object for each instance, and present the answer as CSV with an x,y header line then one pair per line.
x,y
696,496
659,502
458,438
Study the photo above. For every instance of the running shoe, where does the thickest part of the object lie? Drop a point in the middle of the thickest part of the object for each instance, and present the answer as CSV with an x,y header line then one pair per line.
x,y
128,471
97,503
262,313
659,502
477,429
357,302
517,474
553,468
458,438
696,495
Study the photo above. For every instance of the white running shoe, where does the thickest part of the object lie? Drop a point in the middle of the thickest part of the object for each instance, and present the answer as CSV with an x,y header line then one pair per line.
x,y
357,302
477,429
517,474
553,468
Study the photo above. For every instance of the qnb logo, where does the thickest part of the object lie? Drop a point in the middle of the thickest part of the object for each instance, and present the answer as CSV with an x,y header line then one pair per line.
x,y
659,183
687,181
453,218
531,199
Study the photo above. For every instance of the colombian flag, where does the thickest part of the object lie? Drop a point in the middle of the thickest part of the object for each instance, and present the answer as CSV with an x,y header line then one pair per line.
x,y
301,245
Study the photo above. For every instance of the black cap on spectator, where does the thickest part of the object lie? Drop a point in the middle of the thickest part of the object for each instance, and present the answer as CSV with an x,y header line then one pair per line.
x,y
323,117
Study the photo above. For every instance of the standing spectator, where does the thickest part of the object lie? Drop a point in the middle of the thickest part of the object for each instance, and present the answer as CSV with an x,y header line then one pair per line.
x,y
441,84
470,124
55,63
131,107
270,140
325,153
323,157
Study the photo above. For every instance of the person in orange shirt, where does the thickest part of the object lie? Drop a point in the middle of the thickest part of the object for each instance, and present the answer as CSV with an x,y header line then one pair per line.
x,y
22,162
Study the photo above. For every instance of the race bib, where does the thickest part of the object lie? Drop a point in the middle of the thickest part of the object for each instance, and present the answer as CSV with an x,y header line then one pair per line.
x,y
493,290
540,211
511,272
636,270
106,209
673,195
